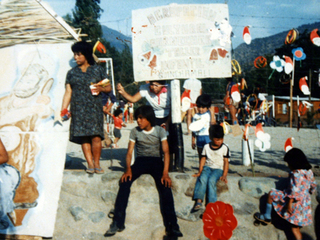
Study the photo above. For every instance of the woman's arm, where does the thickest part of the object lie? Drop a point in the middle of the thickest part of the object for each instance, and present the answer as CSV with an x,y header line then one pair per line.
x,y
135,98
128,173
67,97
3,153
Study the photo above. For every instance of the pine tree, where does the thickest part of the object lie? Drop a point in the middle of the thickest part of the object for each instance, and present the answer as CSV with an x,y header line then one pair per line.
x,y
85,16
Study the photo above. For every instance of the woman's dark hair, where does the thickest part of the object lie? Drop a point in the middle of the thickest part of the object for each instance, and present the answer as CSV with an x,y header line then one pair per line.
x,y
296,159
84,48
216,131
146,112
204,100
117,112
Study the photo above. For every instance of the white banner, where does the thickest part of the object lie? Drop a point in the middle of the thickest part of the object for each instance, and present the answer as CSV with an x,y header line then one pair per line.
x,y
32,85
181,41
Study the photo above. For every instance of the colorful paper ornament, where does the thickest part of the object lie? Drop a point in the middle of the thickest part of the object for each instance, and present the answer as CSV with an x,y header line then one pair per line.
x,y
277,63
303,85
291,36
263,139
235,93
288,67
246,35
236,69
260,62
100,47
298,54
314,37
288,144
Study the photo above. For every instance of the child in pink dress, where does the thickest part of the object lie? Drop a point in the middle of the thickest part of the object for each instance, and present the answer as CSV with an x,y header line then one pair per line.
x,y
294,203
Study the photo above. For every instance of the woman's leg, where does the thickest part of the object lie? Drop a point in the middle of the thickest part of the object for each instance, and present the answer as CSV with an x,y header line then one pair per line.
x,y
96,150
296,232
87,151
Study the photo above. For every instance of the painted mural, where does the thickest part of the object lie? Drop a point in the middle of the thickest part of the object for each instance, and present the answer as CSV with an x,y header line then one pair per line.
x,y
32,86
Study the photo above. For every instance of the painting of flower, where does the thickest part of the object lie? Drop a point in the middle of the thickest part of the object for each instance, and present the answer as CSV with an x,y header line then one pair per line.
x,y
277,63
219,221
298,54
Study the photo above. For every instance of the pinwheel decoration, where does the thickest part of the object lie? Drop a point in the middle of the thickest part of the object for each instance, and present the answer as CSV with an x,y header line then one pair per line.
x,y
219,221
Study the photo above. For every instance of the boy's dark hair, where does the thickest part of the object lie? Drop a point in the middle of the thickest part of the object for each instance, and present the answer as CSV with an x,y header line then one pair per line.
x,y
216,131
117,112
84,48
204,100
146,112
296,159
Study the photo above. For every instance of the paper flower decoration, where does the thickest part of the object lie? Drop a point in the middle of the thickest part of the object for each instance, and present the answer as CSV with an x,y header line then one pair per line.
x,y
260,62
277,63
219,221
298,54
263,139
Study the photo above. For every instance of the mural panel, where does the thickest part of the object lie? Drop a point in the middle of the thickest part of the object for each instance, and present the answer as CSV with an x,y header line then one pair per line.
x,y
32,87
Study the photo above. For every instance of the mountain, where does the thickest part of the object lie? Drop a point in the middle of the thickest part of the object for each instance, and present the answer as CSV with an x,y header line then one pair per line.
x,y
116,39
246,54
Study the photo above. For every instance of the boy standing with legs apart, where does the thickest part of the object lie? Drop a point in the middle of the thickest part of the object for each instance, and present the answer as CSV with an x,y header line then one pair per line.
x,y
214,166
148,140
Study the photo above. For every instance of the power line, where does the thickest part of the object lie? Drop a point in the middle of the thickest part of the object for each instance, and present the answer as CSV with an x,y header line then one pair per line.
x,y
274,17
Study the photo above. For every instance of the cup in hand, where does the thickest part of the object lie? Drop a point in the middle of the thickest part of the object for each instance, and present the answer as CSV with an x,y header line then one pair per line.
x,y
93,91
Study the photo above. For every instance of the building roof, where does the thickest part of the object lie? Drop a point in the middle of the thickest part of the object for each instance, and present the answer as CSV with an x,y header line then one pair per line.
x,y
32,21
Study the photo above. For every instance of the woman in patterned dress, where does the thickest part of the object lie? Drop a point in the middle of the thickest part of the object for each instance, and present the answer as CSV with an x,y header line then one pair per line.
x,y
86,109
294,203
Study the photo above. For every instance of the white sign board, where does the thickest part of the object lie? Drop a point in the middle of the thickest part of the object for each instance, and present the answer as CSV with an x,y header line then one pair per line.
x,y
32,85
181,41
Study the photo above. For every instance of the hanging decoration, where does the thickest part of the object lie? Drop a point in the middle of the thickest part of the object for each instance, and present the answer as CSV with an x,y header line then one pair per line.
x,y
291,36
303,85
277,64
219,221
314,37
260,62
235,93
285,78
246,35
100,47
288,67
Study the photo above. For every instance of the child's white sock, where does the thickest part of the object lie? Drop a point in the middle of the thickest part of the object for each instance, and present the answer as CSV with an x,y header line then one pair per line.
x,y
267,215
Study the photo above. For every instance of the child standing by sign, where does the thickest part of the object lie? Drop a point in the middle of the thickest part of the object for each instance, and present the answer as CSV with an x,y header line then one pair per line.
x,y
148,139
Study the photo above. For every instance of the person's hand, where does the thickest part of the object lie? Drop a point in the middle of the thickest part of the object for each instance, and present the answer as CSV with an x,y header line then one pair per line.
x,y
196,175
224,178
120,88
98,89
193,145
126,175
166,180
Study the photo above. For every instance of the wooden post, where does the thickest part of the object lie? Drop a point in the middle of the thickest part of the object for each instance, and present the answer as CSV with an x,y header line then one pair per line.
x,y
291,93
176,133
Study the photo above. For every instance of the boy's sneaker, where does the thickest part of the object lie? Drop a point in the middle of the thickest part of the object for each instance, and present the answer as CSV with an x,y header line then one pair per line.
x,y
197,206
113,229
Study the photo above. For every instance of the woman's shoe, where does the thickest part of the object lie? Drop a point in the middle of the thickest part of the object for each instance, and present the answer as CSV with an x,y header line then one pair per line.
x,y
98,170
90,170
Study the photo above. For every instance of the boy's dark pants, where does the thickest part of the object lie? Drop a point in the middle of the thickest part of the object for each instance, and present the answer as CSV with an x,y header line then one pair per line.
x,y
154,167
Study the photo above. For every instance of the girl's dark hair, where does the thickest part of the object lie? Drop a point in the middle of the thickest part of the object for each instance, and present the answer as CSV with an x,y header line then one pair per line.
x,y
84,48
146,112
204,100
296,159
117,112
216,131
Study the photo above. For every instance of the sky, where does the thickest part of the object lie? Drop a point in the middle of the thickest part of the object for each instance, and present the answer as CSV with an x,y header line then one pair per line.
x,y
265,18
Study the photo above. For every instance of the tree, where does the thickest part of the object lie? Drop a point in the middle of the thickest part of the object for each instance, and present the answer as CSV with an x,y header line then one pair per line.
x,y
85,16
